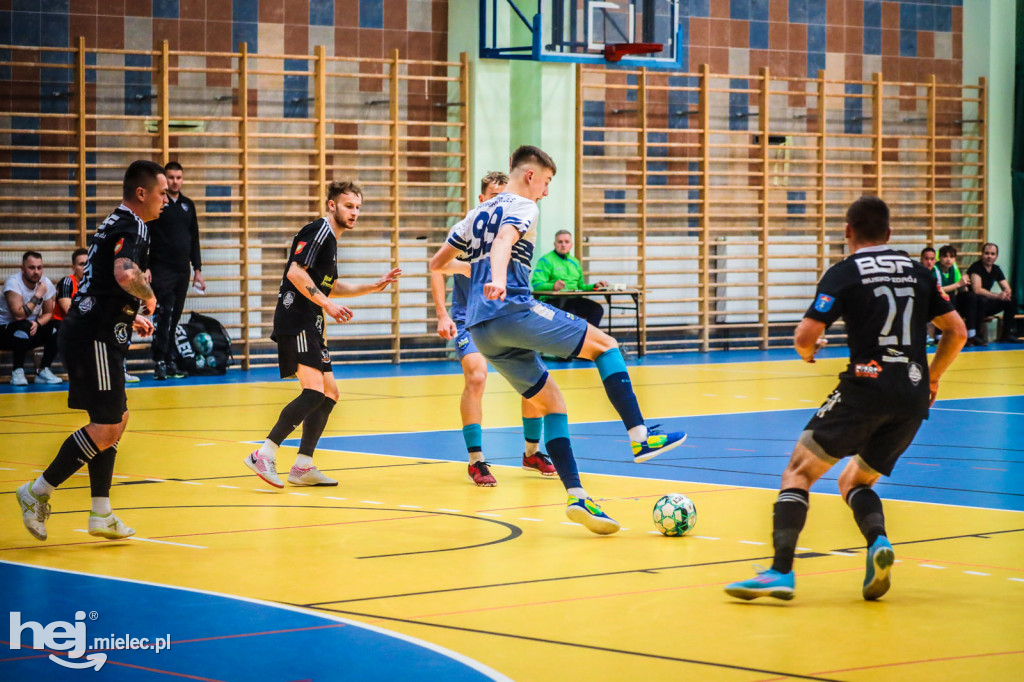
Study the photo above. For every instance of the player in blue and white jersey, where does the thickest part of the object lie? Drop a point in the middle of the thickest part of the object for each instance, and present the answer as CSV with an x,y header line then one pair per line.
x,y
474,369
511,328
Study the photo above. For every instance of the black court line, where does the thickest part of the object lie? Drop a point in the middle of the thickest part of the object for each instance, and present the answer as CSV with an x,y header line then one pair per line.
x,y
577,645
514,531
652,569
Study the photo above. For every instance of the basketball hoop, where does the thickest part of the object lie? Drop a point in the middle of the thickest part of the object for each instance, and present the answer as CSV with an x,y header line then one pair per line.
x,y
615,52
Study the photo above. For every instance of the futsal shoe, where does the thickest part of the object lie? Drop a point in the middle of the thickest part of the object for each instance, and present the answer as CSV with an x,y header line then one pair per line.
x,y
160,371
18,378
656,444
587,513
539,462
109,527
130,378
768,583
480,473
308,476
35,509
174,372
880,560
45,376
265,468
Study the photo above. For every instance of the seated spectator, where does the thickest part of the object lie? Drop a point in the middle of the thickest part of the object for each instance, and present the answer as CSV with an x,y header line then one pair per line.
x,y
26,319
961,295
68,287
560,271
985,273
928,257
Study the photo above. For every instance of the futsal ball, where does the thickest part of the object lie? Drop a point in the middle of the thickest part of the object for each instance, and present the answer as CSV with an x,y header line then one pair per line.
x,y
200,362
211,361
203,343
675,514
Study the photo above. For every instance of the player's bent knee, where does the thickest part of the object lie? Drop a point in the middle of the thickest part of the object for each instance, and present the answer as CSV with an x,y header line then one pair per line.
x,y
596,343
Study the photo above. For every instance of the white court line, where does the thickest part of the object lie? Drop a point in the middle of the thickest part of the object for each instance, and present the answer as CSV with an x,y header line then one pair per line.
x,y
160,542
976,573
451,511
497,516
706,537
6,469
190,482
370,502
957,409
1016,580
118,476
571,523
334,498
232,487
409,506
203,445
156,480
941,568
300,494
527,518
751,542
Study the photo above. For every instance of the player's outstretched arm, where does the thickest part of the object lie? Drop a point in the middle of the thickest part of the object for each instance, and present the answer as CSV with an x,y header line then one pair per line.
x,y
445,325
954,336
809,338
298,276
132,279
347,290
444,262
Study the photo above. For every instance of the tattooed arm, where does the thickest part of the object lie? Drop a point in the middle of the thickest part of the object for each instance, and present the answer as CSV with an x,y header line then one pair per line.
x,y
133,280
298,276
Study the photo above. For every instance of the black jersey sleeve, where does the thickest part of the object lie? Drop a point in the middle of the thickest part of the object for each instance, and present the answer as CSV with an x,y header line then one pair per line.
x,y
131,245
66,288
309,246
828,304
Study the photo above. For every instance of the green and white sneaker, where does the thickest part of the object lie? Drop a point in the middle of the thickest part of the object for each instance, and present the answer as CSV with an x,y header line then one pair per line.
x,y
109,527
587,513
309,476
34,510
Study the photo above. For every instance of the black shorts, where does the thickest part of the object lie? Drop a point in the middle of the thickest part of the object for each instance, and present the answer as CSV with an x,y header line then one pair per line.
x,y
841,429
308,348
95,379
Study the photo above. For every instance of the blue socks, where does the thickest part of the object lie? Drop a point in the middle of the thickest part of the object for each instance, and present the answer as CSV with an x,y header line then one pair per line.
x,y
532,427
619,388
474,437
556,428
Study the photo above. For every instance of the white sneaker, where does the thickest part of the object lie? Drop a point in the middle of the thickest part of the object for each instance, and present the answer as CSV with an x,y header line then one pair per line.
x,y
34,510
45,376
109,527
310,476
265,468
18,378
129,379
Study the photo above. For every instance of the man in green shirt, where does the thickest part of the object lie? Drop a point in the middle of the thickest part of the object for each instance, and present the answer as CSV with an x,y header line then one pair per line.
x,y
958,288
559,270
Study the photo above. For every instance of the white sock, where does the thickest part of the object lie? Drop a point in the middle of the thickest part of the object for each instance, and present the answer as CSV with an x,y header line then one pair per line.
x,y
475,457
304,461
101,506
268,450
42,487
638,434
577,492
532,449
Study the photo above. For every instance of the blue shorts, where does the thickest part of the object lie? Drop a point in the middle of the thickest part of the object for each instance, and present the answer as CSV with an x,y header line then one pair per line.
x,y
463,342
512,343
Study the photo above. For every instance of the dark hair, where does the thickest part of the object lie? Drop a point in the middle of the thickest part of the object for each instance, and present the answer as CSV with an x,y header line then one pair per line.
x,y
173,165
994,246
869,219
926,250
947,250
496,177
139,174
30,254
530,154
78,252
339,187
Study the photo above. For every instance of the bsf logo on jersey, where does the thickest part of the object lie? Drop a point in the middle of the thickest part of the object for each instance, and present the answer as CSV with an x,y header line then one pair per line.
x,y
299,248
883,265
823,303
870,370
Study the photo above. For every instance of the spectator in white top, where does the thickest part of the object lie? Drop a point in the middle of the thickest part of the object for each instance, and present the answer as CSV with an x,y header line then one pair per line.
x,y
26,319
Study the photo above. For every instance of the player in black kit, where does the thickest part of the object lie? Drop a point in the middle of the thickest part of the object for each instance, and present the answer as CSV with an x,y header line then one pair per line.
x,y
310,276
886,301
93,341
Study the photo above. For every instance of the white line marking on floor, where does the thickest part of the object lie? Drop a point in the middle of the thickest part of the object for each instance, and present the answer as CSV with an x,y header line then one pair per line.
x,y
941,568
751,542
773,398
190,482
300,494
232,487
6,469
118,476
954,409
203,445
739,396
706,537
451,511
156,480
1016,580
808,401
571,523
161,542
410,506
263,490
334,498
527,518
650,532
79,474
497,516
370,502
842,554
976,573
805,549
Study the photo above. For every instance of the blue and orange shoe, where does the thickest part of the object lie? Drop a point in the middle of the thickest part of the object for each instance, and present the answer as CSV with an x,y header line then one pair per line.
x,y
656,443
768,583
881,557
587,513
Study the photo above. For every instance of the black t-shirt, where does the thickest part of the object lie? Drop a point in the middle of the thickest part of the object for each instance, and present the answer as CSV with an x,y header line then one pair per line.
x,y
886,301
988,279
316,248
175,237
102,310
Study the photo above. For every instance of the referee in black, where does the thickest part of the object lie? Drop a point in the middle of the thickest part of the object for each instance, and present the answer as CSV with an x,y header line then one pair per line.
x,y
886,301
175,237
93,342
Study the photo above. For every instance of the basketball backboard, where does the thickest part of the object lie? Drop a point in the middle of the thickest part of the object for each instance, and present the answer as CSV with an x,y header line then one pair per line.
x,y
632,32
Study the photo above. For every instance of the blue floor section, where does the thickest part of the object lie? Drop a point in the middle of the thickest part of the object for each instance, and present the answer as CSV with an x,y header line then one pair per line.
x,y
213,637
969,453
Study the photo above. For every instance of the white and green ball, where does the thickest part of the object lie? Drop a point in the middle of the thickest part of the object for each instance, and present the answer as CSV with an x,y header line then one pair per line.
x,y
675,514
202,343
